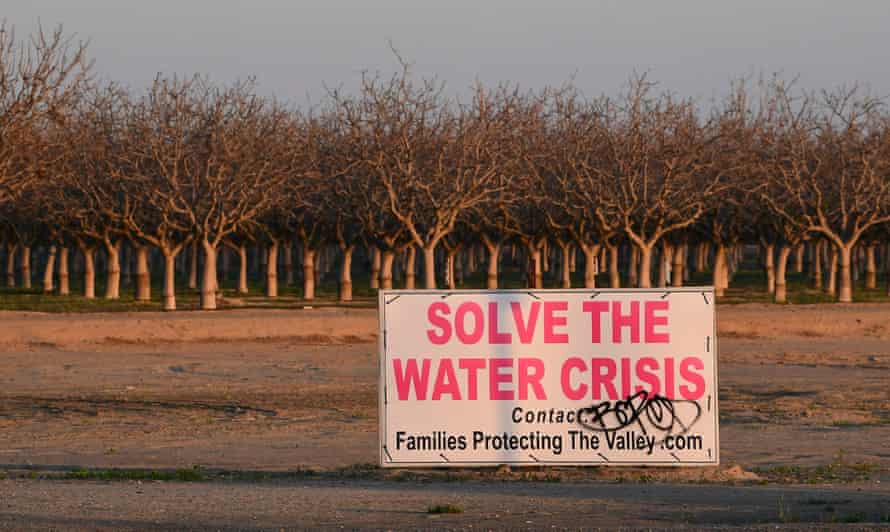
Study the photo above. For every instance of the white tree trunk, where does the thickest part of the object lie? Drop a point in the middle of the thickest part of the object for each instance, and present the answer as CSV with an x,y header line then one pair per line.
x,y
781,294
798,258
845,292
678,265
644,275
590,264
25,266
346,275
208,279
871,269
48,271
89,272
388,256
64,281
565,260
169,291
113,270
143,275
308,272
664,260
242,269
429,267
272,269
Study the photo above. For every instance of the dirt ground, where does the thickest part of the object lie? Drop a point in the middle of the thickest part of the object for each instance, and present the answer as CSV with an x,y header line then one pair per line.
x,y
274,412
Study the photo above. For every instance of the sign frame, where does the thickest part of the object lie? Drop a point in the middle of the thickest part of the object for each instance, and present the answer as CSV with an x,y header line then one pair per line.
x,y
387,296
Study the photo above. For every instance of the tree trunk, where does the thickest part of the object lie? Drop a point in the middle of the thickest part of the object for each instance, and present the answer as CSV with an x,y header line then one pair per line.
x,y
798,258
494,254
25,266
781,294
871,269
845,293
375,267
208,279
169,291
89,271
64,285
113,270
633,269
346,274
719,270
614,272
590,264
308,272
288,250
429,267
677,265
817,264
143,276
664,260
769,266
645,267
242,269
565,258
193,267
272,269
410,267
831,289
11,248
536,274
48,271
449,269
386,269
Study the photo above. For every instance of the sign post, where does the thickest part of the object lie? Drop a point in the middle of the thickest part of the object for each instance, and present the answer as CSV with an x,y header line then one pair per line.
x,y
548,377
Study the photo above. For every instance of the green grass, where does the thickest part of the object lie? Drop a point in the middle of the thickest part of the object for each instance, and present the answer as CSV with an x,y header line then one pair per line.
x,y
444,509
180,475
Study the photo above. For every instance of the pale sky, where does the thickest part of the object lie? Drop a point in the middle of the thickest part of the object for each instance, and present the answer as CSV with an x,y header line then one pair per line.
x,y
693,47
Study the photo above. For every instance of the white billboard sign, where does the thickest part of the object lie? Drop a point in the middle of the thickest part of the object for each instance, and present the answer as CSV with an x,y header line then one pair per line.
x,y
538,377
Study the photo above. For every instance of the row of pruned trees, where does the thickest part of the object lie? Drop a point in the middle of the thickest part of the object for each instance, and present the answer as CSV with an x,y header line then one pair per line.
x,y
642,183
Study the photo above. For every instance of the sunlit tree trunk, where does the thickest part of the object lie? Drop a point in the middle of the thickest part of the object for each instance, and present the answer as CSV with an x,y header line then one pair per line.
x,y
644,279
590,252
493,250
25,266
308,272
845,292
386,261
89,270
64,282
48,271
633,269
272,269
169,291
831,289
871,268
242,269
565,259
346,274
143,275
664,261
677,265
798,258
781,294
429,266
208,279
113,270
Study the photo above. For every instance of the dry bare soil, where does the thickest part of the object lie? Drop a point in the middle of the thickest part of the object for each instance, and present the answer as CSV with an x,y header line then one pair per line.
x,y
265,419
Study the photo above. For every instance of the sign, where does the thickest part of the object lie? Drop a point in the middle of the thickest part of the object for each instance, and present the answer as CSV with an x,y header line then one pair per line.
x,y
548,377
